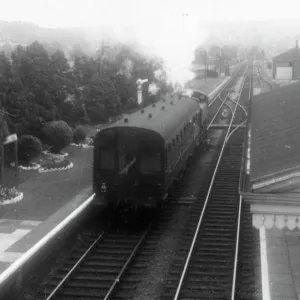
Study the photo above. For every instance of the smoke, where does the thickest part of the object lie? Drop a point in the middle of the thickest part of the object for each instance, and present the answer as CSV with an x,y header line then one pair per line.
x,y
126,68
174,41
153,89
159,74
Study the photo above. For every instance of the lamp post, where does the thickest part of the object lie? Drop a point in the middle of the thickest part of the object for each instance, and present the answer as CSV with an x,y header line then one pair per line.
x,y
139,84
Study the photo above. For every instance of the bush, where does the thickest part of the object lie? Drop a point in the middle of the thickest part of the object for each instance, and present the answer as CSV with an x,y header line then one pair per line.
x,y
29,147
58,134
79,135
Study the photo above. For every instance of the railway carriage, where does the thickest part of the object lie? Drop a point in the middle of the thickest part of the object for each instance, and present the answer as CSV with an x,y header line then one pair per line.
x,y
137,159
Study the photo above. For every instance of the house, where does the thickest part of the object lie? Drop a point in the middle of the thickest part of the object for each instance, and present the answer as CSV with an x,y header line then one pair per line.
x,y
286,66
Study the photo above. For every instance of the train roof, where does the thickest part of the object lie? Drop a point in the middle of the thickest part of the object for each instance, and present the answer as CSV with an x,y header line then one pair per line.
x,y
164,117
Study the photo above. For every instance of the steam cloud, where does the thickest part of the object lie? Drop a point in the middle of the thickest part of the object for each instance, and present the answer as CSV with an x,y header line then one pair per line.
x,y
126,68
153,88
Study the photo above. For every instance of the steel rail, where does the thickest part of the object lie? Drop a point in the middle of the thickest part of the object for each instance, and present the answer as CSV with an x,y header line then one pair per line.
x,y
136,248
237,245
218,95
117,280
204,207
224,102
64,280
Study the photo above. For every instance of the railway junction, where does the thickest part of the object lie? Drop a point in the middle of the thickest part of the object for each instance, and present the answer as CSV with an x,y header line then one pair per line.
x,y
266,211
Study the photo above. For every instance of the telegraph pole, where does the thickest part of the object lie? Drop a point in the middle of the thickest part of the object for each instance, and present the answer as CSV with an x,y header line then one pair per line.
x,y
205,62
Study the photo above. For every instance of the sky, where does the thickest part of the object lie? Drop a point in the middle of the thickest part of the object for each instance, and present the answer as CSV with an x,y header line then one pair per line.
x,y
170,28
66,13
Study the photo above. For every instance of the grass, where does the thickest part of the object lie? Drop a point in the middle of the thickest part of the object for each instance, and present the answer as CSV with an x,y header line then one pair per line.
x,y
45,193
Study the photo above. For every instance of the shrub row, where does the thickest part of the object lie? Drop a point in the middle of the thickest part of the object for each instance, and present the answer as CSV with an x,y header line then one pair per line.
x,y
56,134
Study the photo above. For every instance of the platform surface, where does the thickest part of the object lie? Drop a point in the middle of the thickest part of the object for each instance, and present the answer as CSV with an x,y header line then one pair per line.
x,y
18,236
282,263
207,86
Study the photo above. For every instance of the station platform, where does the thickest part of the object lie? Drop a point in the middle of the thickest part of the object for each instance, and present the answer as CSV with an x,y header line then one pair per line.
x,y
280,264
209,86
21,239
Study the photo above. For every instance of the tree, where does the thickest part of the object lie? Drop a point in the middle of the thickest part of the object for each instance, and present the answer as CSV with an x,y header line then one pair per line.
x,y
200,56
214,52
101,91
230,51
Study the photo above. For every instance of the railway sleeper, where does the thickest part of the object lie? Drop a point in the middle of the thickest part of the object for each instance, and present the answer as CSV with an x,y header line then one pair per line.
x,y
211,250
94,271
179,259
207,243
107,258
203,296
210,266
202,286
214,226
92,285
82,293
215,274
106,264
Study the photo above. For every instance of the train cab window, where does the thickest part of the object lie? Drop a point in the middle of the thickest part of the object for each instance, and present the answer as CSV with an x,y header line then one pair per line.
x,y
107,159
150,162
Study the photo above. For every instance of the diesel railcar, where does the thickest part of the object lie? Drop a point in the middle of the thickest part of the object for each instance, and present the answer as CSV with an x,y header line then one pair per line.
x,y
137,159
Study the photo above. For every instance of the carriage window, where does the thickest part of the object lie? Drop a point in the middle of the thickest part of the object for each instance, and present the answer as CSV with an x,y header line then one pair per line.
x,y
107,159
177,138
173,142
169,147
150,162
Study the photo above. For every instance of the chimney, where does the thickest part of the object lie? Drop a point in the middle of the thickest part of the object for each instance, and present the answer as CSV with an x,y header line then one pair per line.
x,y
296,44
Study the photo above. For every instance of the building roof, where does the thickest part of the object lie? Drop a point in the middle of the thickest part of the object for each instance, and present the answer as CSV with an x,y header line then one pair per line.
x,y
164,121
290,55
275,135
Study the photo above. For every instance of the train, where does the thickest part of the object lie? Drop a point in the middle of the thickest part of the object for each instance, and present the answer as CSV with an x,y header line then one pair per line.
x,y
137,159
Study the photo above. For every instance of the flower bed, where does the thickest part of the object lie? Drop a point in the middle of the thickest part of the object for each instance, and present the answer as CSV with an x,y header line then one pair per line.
x,y
10,195
56,165
88,143
56,156
31,166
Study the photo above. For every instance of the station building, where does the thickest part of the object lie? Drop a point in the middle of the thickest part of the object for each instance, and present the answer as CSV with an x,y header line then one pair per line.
x,y
286,66
272,187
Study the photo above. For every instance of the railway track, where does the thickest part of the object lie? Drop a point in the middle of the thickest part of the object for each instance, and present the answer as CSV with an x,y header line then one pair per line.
x,y
107,263
96,268
112,262
205,266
